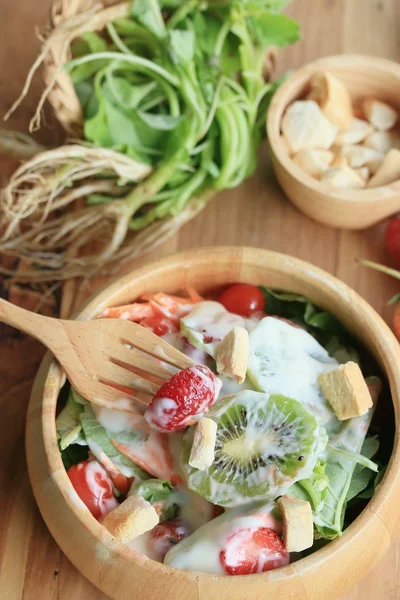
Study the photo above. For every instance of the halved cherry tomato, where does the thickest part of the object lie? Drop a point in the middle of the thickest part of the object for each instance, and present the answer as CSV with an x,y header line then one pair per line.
x,y
251,551
392,240
94,487
243,299
167,534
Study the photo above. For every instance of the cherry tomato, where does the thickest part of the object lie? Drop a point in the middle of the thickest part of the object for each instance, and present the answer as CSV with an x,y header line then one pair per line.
x,y
94,487
392,240
159,325
243,299
253,550
167,534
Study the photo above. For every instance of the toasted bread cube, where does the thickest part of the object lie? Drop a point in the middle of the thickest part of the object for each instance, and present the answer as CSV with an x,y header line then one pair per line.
x,y
379,114
305,126
313,161
356,133
298,526
346,391
340,178
202,453
232,354
389,171
333,98
132,518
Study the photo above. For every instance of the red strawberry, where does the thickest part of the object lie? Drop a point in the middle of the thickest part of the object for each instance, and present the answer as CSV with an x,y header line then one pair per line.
x,y
167,534
251,551
187,394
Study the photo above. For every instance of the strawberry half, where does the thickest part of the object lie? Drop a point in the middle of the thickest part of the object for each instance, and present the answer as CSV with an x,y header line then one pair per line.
x,y
250,551
187,394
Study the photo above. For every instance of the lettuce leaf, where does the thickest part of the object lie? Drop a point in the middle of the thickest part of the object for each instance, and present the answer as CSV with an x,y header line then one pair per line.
x,y
99,442
341,472
68,425
313,489
363,476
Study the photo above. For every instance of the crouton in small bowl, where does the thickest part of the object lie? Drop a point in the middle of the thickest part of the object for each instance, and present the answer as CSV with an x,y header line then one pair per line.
x,y
123,571
334,131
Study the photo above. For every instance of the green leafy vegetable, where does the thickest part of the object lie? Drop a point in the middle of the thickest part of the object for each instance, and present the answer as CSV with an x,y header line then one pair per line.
x,y
73,454
362,475
180,87
100,443
152,490
68,425
340,469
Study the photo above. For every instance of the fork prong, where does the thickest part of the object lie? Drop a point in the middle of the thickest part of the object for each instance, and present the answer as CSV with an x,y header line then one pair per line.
x,y
155,346
142,398
133,358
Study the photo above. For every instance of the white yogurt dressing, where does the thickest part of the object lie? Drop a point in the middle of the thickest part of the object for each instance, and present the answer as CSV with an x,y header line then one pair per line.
x,y
287,360
201,551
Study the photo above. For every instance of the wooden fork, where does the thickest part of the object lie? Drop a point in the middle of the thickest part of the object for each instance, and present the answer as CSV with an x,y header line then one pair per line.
x,y
111,362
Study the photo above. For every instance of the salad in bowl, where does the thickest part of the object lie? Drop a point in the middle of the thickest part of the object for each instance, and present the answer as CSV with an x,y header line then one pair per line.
x,y
258,455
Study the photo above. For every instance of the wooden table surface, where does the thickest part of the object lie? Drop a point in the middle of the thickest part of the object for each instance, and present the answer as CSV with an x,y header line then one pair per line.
x,y
257,214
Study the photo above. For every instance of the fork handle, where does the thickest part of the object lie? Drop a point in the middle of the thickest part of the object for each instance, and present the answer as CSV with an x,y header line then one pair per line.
x,y
47,330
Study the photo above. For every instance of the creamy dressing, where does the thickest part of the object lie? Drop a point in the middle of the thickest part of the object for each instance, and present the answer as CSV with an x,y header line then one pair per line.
x,y
284,360
201,551
287,360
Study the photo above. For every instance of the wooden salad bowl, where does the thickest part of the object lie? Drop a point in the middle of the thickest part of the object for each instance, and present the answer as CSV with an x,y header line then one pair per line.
x,y
121,572
346,209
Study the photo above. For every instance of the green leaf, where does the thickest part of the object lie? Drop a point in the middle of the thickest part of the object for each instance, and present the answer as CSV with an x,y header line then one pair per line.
x,y
99,441
271,29
148,13
162,122
94,41
340,471
182,45
68,426
362,476
152,490
129,95
73,455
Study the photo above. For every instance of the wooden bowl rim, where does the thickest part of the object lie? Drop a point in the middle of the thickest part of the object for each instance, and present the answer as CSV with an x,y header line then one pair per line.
x,y
53,377
278,105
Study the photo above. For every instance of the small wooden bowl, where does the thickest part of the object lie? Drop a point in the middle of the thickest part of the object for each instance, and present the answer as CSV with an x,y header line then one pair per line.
x,y
347,209
121,572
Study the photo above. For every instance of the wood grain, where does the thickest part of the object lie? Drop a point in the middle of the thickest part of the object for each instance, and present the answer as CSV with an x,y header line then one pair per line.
x,y
257,214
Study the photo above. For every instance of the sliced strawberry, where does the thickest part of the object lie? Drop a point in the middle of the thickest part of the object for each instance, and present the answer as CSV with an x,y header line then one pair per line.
x,y
168,534
187,394
256,550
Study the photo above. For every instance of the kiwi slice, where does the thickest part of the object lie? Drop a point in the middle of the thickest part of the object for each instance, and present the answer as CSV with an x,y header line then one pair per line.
x,y
264,444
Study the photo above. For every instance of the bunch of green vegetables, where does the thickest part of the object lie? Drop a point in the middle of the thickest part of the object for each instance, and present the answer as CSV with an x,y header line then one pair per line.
x,y
176,89
179,86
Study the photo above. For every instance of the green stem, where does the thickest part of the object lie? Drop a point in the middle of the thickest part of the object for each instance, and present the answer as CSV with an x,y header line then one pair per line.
x,y
354,457
381,268
138,61
181,13
153,184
